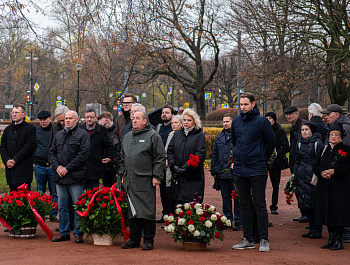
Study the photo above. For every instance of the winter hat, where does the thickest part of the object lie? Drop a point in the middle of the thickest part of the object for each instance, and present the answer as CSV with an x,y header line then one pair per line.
x,y
272,115
337,127
312,127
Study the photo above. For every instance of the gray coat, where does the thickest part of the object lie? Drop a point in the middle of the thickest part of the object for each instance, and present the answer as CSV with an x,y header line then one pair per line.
x,y
142,158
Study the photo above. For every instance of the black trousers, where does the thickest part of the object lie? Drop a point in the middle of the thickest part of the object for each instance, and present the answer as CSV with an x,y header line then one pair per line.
x,y
275,177
163,196
247,187
149,230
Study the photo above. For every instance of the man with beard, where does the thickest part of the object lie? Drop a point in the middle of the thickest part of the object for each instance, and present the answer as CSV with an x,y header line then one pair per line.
x,y
124,118
164,129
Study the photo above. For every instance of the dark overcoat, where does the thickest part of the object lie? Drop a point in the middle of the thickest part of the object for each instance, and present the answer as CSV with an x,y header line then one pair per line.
x,y
332,195
306,154
100,147
18,142
179,150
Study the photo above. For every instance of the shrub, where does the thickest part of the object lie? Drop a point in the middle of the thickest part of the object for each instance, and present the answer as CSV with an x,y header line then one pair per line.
x,y
218,114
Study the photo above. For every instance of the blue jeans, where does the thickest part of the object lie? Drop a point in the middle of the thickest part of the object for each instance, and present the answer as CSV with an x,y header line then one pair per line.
x,y
44,175
227,186
252,189
63,192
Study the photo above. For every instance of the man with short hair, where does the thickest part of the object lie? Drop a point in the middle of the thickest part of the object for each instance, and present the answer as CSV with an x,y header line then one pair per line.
x,y
59,113
164,129
253,142
124,118
219,163
315,118
142,167
43,172
67,157
292,116
109,172
101,151
17,149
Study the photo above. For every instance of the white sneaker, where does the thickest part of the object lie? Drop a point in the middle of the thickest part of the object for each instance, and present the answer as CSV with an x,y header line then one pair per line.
x,y
264,245
245,244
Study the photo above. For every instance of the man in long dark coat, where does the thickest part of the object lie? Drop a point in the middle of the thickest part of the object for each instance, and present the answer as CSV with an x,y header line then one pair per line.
x,y
142,165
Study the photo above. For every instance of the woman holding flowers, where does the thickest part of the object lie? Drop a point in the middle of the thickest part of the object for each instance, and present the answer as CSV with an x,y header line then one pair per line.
x,y
186,154
332,199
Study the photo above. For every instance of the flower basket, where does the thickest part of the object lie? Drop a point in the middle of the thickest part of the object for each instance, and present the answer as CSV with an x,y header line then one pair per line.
x,y
196,223
194,246
103,211
25,232
23,208
104,240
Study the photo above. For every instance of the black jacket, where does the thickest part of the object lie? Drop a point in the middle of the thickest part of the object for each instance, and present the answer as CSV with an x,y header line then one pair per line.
x,y
164,131
43,136
71,150
332,195
221,152
179,150
306,154
321,127
282,145
294,137
18,142
100,147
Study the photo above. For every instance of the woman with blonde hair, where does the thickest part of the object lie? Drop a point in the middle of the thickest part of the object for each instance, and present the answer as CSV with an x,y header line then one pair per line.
x,y
190,140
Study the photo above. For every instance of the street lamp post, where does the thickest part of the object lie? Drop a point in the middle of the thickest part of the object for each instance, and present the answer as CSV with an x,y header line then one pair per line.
x,y
63,76
31,55
78,67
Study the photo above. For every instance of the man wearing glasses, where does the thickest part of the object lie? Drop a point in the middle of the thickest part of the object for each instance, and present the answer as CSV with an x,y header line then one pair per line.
x,y
17,149
124,118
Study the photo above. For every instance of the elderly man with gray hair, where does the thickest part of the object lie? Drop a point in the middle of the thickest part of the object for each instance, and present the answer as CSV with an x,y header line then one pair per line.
x,y
315,118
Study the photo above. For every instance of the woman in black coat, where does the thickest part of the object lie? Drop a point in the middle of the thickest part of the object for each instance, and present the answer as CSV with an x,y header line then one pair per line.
x,y
308,146
332,189
189,140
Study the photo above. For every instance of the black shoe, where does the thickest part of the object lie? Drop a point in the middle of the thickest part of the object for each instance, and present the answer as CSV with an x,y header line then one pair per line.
x,y
6,230
346,237
307,226
331,240
307,234
315,235
130,244
60,238
237,227
57,229
296,219
147,246
270,224
79,239
338,245
160,220
274,212
303,219
54,219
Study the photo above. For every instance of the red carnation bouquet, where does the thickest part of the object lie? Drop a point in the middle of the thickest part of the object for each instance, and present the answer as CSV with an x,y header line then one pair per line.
x,y
290,189
337,157
193,161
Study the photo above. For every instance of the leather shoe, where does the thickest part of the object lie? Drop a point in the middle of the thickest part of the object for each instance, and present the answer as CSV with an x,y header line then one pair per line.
x,y
303,219
130,244
315,235
79,239
54,219
147,246
6,230
237,227
160,220
60,238
307,234
274,212
296,219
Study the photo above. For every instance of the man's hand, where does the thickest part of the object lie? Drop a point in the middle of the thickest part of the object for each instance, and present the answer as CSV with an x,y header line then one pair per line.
x,y
327,173
232,165
61,171
155,182
214,176
106,160
10,163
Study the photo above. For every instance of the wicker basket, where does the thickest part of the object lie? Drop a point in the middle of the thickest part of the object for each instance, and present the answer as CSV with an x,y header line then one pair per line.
x,y
194,246
25,232
104,240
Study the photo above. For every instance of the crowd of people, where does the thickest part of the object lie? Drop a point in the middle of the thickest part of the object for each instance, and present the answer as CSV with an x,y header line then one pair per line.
x,y
72,156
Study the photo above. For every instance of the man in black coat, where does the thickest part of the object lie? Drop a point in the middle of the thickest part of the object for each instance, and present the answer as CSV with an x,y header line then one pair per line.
x,y
17,149
164,129
67,157
315,118
101,150
292,116
221,152
282,148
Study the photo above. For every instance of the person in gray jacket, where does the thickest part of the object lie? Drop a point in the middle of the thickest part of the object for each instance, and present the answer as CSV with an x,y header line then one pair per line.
x,y
142,165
